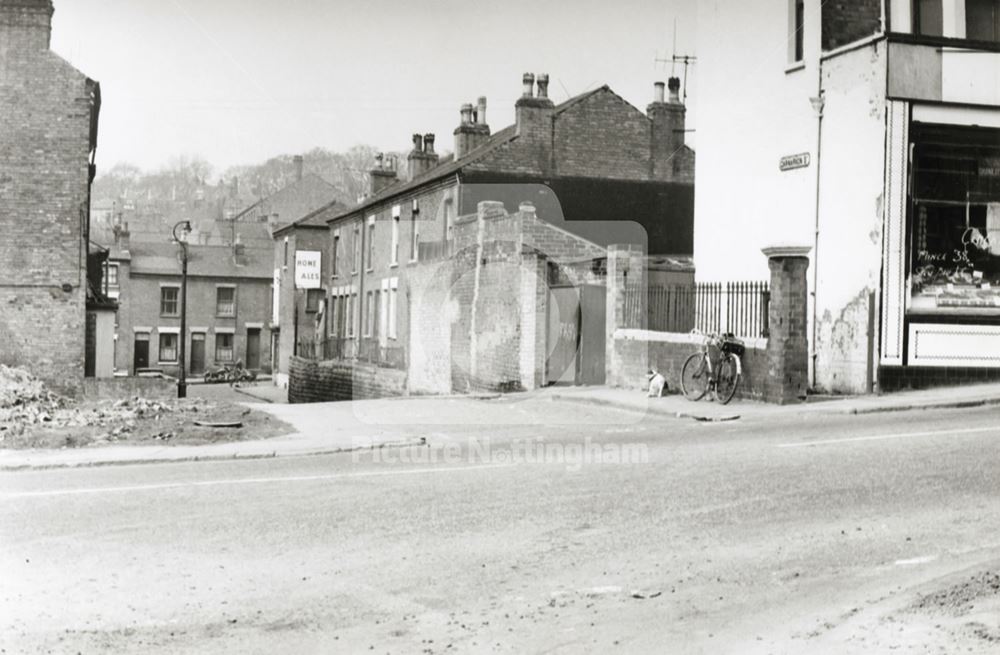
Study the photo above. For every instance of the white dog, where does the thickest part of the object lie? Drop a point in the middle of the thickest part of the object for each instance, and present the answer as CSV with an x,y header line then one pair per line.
x,y
657,384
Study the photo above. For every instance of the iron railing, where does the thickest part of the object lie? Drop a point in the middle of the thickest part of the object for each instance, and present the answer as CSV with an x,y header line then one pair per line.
x,y
737,307
366,350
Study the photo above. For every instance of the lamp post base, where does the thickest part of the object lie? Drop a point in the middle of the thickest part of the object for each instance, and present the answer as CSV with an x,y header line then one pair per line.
x,y
182,389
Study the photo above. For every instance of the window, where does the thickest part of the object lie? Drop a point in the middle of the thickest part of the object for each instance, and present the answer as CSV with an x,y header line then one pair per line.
x,y
797,23
393,293
334,315
285,264
394,252
335,257
356,263
168,348
954,232
225,301
112,275
928,17
449,218
370,253
982,20
414,232
169,301
223,347
313,298
351,313
369,310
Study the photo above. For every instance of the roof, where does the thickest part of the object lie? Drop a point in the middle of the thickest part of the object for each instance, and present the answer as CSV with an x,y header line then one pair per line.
x,y
203,261
498,141
295,201
33,4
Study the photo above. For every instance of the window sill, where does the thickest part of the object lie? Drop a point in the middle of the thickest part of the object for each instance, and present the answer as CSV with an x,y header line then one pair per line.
x,y
170,315
795,67
394,265
225,316
173,363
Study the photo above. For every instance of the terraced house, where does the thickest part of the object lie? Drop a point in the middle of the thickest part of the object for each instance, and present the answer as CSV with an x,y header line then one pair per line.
x,y
594,168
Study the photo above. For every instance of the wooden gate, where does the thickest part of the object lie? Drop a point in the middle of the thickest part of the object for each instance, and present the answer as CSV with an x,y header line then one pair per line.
x,y
593,340
563,336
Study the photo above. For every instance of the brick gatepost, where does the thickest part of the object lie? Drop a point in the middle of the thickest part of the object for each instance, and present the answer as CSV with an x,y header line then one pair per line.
x,y
788,342
626,266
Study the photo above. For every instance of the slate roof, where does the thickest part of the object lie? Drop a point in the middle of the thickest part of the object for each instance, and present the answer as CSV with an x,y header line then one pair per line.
x,y
203,261
295,201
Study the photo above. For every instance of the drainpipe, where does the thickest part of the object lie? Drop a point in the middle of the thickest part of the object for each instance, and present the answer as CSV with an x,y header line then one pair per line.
x,y
818,104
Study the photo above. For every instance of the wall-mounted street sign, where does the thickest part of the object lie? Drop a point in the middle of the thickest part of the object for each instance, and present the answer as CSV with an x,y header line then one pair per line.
x,y
791,162
307,269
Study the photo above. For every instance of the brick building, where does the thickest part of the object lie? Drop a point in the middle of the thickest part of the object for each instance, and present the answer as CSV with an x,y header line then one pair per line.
x,y
594,167
874,140
48,136
228,302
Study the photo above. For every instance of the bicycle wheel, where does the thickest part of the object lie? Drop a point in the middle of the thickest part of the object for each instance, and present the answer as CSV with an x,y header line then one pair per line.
x,y
694,377
729,379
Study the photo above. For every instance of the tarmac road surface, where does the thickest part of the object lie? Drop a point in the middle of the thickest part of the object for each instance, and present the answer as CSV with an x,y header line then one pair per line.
x,y
787,535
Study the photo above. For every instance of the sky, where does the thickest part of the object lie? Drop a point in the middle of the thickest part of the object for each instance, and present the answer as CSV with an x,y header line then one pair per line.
x,y
238,82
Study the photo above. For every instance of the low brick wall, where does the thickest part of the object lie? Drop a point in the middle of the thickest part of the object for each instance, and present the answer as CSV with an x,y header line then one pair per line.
x,y
636,351
310,381
153,388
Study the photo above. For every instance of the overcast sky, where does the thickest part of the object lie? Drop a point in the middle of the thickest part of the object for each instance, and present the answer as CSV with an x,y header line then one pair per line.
x,y
238,82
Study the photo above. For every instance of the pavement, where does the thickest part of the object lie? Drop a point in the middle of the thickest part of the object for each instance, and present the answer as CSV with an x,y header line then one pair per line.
x,y
321,428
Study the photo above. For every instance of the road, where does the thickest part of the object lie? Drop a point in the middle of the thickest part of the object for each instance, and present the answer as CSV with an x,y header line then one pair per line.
x,y
803,534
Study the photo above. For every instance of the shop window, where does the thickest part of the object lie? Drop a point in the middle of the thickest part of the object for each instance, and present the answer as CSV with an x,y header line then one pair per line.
x,y
928,17
223,347
954,233
225,301
169,301
981,20
168,348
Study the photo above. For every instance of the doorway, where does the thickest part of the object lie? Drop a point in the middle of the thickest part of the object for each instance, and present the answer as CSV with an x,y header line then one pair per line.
x,y
253,349
197,353
563,335
140,352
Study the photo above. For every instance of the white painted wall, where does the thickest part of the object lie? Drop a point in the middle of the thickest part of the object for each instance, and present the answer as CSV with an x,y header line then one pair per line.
x,y
751,112
849,253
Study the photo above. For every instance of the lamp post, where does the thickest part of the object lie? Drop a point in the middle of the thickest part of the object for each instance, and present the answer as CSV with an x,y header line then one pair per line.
x,y
185,227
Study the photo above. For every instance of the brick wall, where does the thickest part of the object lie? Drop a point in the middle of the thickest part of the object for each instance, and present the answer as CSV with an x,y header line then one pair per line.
x,y
313,382
845,21
636,351
46,106
602,136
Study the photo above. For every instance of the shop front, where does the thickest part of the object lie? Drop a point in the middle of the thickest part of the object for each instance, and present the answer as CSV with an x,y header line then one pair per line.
x,y
948,261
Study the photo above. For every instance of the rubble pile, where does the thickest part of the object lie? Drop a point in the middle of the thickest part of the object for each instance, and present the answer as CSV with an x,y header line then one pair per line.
x,y
26,403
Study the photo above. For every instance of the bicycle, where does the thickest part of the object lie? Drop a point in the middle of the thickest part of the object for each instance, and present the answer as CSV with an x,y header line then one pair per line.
x,y
700,374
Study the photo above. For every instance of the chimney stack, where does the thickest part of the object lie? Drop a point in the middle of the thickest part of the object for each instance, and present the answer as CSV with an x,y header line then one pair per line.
x,y
473,131
668,118
122,236
422,158
298,167
534,118
382,174
26,25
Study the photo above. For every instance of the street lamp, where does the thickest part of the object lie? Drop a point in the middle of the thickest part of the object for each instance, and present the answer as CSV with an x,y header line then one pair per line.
x,y
185,227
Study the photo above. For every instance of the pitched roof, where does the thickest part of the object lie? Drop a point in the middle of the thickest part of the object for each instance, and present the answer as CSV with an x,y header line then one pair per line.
x,y
293,202
204,261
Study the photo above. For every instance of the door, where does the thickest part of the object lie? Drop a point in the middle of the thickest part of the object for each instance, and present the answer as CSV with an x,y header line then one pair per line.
x,y
140,353
563,335
253,349
198,353
593,341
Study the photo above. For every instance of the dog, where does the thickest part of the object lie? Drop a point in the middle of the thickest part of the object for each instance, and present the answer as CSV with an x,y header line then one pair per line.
x,y
657,384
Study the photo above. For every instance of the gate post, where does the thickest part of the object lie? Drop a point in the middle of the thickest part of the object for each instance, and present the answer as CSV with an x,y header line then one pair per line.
x,y
788,342
627,364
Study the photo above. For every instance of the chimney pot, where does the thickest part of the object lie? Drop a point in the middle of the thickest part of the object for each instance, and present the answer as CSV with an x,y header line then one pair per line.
x,y
429,143
529,85
418,143
466,114
543,85
674,84
481,111
658,92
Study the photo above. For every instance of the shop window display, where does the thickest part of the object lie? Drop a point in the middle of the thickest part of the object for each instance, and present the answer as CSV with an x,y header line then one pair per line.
x,y
954,228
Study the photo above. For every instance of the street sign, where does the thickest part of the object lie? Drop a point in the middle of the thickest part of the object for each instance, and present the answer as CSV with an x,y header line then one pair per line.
x,y
307,269
791,162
